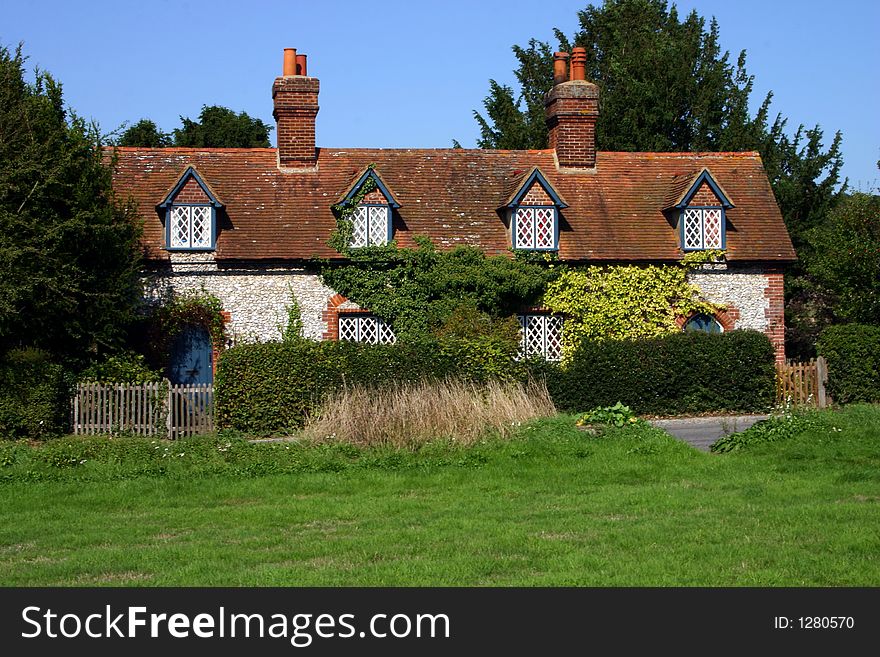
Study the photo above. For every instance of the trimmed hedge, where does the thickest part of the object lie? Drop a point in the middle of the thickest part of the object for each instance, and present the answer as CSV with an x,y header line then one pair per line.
x,y
274,386
853,355
681,373
34,395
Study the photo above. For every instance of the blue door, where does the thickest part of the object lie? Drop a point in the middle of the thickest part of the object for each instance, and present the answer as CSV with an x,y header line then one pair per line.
x,y
191,357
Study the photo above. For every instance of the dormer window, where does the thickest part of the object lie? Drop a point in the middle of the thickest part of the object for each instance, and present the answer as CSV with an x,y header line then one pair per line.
x,y
534,208
371,225
190,210
700,205
372,218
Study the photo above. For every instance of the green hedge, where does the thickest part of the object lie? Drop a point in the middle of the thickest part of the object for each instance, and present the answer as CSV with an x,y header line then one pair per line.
x,y
34,395
689,372
853,355
274,386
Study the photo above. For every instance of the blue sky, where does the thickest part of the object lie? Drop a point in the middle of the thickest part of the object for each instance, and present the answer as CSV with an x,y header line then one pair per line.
x,y
409,74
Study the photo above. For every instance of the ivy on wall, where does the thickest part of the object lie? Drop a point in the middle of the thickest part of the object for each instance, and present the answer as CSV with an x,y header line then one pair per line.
x,y
417,290
621,302
340,239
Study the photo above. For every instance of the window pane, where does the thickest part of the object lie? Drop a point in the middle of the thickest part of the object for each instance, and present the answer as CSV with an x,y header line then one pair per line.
x,y
201,227
525,228
544,231
712,229
693,229
359,227
365,328
541,335
179,229
703,323
378,234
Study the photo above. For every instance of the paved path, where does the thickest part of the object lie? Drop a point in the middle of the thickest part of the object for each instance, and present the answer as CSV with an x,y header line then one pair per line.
x,y
701,432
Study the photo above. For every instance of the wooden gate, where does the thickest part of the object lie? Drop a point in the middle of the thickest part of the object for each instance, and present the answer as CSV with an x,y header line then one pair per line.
x,y
802,384
147,409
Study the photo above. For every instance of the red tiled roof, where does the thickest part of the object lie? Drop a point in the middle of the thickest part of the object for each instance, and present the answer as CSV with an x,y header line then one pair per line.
x,y
453,196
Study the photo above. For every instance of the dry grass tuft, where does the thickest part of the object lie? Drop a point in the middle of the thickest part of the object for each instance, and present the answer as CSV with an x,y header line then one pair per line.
x,y
409,415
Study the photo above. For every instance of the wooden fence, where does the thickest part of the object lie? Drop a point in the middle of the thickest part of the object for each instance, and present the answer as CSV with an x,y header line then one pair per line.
x,y
148,409
802,384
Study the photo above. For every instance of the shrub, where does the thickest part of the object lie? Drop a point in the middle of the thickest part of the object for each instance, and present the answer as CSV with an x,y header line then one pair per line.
x,y
275,386
780,427
124,368
34,395
853,355
411,414
689,372
615,416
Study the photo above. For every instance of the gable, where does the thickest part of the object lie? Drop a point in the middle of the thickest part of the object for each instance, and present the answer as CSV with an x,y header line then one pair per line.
x,y
381,194
533,188
191,192
536,195
696,188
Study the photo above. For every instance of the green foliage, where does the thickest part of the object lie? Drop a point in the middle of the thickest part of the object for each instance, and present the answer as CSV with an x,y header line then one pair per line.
x,y
845,258
179,311
853,355
144,133
293,332
220,127
697,258
33,395
666,85
467,322
418,289
123,368
69,252
621,302
340,239
680,373
778,427
270,387
618,416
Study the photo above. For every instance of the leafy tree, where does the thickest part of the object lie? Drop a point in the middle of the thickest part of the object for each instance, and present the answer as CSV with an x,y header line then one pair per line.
x,y
69,259
665,85
145,133
845,258
220,127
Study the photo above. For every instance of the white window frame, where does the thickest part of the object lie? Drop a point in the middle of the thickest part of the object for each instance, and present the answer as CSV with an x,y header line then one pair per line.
x,y
371,225
365,328
693,228
184,216
541,335
529,214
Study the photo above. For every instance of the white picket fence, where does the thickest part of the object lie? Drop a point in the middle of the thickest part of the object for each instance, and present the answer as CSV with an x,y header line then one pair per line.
x,y
147,409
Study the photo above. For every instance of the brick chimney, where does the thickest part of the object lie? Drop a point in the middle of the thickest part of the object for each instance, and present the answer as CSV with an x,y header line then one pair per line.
x,y
571,109
295,96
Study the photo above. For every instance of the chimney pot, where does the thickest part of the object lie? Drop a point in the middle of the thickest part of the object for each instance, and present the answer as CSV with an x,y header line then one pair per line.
x,y
559,60
289,62
578,63
301,65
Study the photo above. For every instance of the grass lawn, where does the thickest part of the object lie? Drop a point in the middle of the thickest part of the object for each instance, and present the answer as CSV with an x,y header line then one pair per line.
x,y
553,506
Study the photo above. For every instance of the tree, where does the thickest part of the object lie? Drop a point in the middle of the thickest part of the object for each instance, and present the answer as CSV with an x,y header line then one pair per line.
x,y
69,259
220,127
665,85
844,258
145,133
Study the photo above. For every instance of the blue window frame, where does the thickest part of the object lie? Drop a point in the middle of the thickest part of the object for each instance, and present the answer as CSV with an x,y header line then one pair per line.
x,y
371,222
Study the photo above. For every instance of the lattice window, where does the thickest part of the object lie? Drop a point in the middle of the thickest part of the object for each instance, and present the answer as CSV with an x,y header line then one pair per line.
x,y
535,228
540,335
365,328
370,225
190,227
702,228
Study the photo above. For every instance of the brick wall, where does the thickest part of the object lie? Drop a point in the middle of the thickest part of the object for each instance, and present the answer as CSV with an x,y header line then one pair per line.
x,y
705,196
775,312
536,196
572,109
376,196
191,192
296,106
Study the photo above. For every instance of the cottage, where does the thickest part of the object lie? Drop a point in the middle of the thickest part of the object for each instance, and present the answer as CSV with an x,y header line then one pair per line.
x,y
244,224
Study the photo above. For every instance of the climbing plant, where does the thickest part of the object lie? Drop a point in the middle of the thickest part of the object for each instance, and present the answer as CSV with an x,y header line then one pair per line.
x,y
623,301
169,319
417,290
340,238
